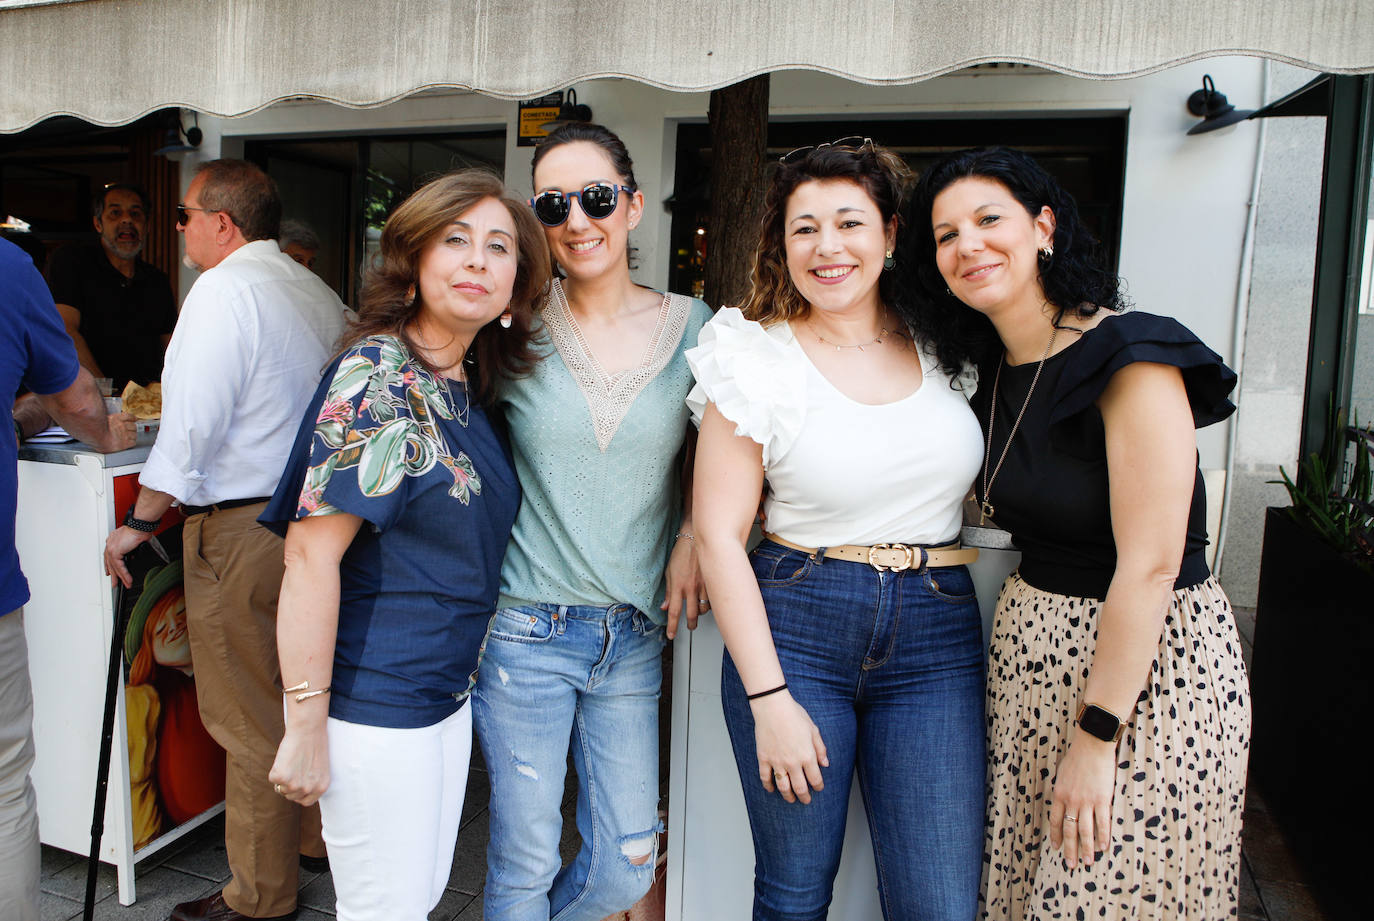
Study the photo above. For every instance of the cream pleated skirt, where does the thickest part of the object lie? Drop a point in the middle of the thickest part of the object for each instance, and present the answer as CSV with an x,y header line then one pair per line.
x,y
1180,778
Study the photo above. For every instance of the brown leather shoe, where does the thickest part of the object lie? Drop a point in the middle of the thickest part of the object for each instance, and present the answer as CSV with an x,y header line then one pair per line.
x,y
214,909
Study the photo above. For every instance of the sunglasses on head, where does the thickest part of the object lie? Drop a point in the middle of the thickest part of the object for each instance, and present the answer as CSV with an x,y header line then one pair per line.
x,y
853,144
183,218
598,201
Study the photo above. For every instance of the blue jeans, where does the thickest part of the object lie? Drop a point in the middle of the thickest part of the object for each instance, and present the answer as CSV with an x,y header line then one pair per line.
x,y
548,672
889,665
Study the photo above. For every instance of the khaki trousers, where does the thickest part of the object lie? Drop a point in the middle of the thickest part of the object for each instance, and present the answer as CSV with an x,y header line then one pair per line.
x,y
18,804
233,576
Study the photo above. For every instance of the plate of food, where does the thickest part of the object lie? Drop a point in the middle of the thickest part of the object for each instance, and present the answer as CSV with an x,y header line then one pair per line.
x,y
145,405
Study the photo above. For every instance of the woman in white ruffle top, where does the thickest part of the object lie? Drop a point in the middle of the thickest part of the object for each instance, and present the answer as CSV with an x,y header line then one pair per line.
x,y
853,637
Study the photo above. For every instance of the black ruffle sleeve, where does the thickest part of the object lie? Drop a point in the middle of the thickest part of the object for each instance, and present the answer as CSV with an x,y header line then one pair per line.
x,y
1120,341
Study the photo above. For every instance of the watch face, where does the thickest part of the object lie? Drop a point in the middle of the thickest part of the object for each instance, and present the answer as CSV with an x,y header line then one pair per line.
x,y
1098,722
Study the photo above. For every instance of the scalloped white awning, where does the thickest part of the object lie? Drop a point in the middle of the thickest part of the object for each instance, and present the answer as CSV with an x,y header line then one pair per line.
x,y
111,61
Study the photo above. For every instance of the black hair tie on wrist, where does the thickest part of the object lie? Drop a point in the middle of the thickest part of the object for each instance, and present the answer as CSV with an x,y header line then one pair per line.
x,y
781,687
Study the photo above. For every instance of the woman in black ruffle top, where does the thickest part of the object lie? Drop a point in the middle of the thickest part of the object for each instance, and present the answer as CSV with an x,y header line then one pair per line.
x,y
1118,707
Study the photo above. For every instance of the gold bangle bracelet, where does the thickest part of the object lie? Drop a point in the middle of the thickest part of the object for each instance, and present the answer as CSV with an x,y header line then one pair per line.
x,y
304,686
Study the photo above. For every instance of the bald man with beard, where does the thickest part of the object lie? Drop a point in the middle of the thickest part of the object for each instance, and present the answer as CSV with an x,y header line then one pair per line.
x,y
118,309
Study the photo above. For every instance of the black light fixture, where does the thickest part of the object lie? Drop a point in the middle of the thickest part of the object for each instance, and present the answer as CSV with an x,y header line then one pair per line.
x,y
1213,109
181,140
569,112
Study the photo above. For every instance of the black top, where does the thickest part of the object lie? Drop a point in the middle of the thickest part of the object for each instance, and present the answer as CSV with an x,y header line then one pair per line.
x,y
1051,493
122,319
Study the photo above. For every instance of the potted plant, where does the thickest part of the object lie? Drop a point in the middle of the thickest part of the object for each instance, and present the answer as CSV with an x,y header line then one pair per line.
x,y
1312,678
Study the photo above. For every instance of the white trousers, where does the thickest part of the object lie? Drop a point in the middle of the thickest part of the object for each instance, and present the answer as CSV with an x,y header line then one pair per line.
x,y
391,815
18,804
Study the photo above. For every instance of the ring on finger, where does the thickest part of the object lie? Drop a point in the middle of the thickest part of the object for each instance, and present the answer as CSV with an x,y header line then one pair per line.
x,y
1070,818
278,788
703,602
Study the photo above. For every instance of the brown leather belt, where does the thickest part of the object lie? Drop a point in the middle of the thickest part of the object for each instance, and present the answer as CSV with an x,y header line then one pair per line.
x,y
894,557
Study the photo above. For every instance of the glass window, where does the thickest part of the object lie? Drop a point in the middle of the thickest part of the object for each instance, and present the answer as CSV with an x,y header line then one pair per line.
x,y
346,188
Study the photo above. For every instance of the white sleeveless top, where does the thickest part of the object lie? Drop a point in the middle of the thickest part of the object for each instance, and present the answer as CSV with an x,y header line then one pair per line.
x,y
840,471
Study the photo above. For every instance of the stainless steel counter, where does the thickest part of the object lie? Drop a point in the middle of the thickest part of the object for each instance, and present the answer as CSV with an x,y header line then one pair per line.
x,y
67,454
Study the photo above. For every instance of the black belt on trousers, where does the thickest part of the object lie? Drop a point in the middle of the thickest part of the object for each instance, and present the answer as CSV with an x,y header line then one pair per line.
x,y
222,506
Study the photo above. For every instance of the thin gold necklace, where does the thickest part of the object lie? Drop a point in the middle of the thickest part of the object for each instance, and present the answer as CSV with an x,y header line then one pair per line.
x,y
986,511
882,334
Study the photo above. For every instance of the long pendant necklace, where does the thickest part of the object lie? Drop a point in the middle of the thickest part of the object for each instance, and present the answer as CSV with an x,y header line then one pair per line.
x,y
986,510
462,417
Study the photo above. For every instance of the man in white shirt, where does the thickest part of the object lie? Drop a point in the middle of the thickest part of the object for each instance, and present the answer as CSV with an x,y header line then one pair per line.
x,y
252,338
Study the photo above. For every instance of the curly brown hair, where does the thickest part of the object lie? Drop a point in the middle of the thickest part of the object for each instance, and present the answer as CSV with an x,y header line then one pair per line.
x,y
878,171
390,301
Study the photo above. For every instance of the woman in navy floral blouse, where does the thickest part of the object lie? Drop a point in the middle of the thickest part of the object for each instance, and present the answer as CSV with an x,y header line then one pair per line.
x,y
397,503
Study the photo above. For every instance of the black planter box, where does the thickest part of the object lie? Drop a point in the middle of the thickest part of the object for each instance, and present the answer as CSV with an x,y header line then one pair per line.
x,y
1312,692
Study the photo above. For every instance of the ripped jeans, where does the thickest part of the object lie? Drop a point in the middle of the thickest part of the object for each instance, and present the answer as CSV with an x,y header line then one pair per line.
x,y
592,673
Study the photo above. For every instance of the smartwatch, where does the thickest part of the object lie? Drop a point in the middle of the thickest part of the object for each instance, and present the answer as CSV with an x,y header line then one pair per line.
x,y
138,524
1103,724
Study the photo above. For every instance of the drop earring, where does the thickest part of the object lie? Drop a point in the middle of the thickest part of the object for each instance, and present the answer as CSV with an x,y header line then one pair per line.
x,y
505,320
889,263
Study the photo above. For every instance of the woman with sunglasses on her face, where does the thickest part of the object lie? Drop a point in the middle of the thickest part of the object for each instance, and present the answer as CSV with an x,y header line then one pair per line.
x,y
853,635
1118,708
397,503
575,647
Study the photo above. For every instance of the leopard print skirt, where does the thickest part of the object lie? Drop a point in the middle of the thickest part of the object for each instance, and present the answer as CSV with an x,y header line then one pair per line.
x,y
1176,812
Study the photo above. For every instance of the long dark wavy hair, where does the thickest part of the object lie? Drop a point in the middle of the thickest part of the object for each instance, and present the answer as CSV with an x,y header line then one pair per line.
x,y
1075,279
772,297
391,300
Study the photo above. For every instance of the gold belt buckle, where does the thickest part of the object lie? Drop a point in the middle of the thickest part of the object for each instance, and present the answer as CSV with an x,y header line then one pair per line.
x,y
907,560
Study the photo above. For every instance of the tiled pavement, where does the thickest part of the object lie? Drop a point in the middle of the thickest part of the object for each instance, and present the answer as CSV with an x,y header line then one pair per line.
x,y
1272,885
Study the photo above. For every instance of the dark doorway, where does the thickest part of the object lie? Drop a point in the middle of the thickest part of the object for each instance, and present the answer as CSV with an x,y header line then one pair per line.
x,y
50,173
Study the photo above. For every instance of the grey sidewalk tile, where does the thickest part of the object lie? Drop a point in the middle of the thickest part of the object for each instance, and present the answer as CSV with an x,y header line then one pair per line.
x,y
70,880
477,795
1285,901
159,891
469,871
205,858
56,908
451,904
318,894
1245,624
54,860
473,912
1270,857
1250,908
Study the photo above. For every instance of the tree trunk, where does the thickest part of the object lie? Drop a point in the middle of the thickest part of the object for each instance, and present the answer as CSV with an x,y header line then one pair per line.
x,y
739,140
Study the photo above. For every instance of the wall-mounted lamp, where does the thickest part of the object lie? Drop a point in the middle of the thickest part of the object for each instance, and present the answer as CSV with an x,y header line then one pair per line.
x,y
1213,109
181,140
569,112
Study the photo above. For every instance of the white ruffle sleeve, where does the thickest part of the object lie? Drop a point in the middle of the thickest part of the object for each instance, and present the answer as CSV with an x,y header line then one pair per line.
x,y
753,376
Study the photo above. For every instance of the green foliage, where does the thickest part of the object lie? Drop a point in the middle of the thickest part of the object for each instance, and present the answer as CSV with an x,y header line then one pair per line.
x,y
1333,498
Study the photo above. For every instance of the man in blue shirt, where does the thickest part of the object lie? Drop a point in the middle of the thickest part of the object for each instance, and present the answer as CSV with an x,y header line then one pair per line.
x,y
36,353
